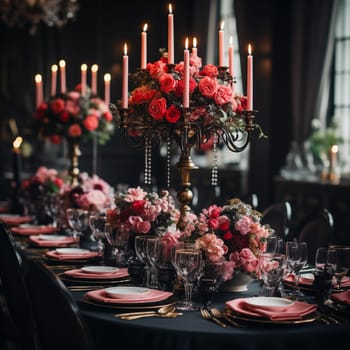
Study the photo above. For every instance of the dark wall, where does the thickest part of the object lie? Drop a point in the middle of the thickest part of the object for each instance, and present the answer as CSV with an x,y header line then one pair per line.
x,y
98,35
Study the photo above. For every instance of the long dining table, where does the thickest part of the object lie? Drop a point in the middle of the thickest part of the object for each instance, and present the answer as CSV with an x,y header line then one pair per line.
x,y
191,332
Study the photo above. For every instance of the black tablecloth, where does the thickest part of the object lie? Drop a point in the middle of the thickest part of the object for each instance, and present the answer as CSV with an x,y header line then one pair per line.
x,y
191,332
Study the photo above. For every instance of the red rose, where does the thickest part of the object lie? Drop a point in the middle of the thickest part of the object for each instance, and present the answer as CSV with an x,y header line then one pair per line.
x,y
138,95
180,86
58,181
57,105
137,206
213,223
157,108
223,95
167,83
227,236
74,130
224,226
64,116
56,139
41,110
208,87
172,114
108,116
210,70
91,123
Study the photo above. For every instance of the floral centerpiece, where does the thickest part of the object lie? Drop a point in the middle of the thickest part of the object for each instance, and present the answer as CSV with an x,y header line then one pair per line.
x,y
231,234
74,117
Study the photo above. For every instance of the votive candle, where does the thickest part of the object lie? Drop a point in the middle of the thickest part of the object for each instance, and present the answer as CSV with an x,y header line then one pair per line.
x,y
94,70
54,69
125,77
62,65
170,35
186,93
144,47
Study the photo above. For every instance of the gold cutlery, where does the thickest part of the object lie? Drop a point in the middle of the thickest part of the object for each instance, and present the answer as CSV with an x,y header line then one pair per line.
x,y
208,316
220,315
167,315
162,311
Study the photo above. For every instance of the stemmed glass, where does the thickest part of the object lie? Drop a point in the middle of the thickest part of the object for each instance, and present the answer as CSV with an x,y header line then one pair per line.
x,y
296,259
342,263
153,252
118,241
97,224
188,265
78,221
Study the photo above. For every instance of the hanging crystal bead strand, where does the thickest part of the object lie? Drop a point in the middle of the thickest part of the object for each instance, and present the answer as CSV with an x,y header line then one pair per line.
x,y
148,162
168,159
214,169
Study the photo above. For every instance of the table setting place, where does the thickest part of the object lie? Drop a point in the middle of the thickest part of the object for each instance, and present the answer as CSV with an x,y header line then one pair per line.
x,y
71,255
11,220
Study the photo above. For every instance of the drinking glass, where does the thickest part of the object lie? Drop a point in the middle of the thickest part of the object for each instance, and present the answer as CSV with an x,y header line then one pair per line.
x,y
153,252
78,221
342,264
296,259
266,256
273,273
97,224
188,264
118,241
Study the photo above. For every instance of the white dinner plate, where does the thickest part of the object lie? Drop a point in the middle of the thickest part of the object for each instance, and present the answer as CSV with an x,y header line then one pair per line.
x,y
269,302
73,251
31,226
127,292
52,237
9,216
99,269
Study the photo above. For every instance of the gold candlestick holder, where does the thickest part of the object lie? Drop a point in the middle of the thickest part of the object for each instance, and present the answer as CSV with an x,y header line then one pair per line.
x,y
75,153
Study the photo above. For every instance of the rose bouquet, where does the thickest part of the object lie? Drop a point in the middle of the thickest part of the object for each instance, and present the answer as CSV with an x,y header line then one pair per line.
x,y
74,117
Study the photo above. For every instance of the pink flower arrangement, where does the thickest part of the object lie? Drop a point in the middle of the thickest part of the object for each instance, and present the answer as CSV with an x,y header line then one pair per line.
x,y
139,212
92,193
74,117
231,234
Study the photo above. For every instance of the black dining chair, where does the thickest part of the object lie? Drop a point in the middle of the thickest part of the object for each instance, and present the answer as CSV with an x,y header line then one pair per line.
x,y
251,199
317,231
60,324
17,306
279,217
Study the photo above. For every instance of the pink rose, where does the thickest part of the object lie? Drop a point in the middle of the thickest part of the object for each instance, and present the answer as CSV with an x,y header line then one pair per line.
x,y
208,87
167,83
57,105
157,108
223,94
243,225
196,62
210,70
108,116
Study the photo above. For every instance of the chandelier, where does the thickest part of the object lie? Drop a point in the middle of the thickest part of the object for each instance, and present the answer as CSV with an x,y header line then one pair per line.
x,y
21,13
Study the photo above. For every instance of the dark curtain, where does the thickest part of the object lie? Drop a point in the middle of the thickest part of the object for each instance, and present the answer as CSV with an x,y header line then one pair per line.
x,y
311,21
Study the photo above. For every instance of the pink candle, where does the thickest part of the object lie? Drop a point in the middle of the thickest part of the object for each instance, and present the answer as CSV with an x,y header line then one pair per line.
x,y
186,93
230,57
39,89
62,65
194,47
221,45
83,69
107,80
170,35
249,79
144,47
125,78
53,79
94,70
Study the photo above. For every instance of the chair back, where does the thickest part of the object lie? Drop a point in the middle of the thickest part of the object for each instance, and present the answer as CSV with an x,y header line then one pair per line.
x,y
278,216
59,321
15,292
317,231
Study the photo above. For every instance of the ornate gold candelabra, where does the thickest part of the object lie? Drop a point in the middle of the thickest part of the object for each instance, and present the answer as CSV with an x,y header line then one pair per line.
x,y
74,153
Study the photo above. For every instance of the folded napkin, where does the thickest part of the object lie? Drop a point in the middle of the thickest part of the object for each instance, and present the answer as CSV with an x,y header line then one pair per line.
x,y
308,281
11,220
341,297
38,230
78,273
51,243
295,311
153,296
58,256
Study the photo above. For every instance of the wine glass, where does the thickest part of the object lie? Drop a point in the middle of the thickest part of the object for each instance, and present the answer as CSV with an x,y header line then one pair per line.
x,y
97,224
296,259
118,241
153,253
267,255
78,221
188,264
342,263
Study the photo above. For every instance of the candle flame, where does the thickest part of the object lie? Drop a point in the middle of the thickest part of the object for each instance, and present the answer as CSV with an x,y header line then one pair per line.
x,y
249,49
145,27
54,68
107,77
62,63
334,149
125,49
230,40
38,78
83,67
170,8
194,42
17,142
222,24
186,43
94,68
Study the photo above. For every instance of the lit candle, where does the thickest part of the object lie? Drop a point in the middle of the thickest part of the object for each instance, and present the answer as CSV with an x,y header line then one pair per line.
x,y
53,79
144,47
94,69
107,80
186,93
170,35
62,65
39,89
83,69
249,79
125,78
16,161
333,158
221,45
194,47
230,57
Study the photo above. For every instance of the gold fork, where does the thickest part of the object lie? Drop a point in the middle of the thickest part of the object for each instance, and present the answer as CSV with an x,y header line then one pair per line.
x,y
220,315
208,316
